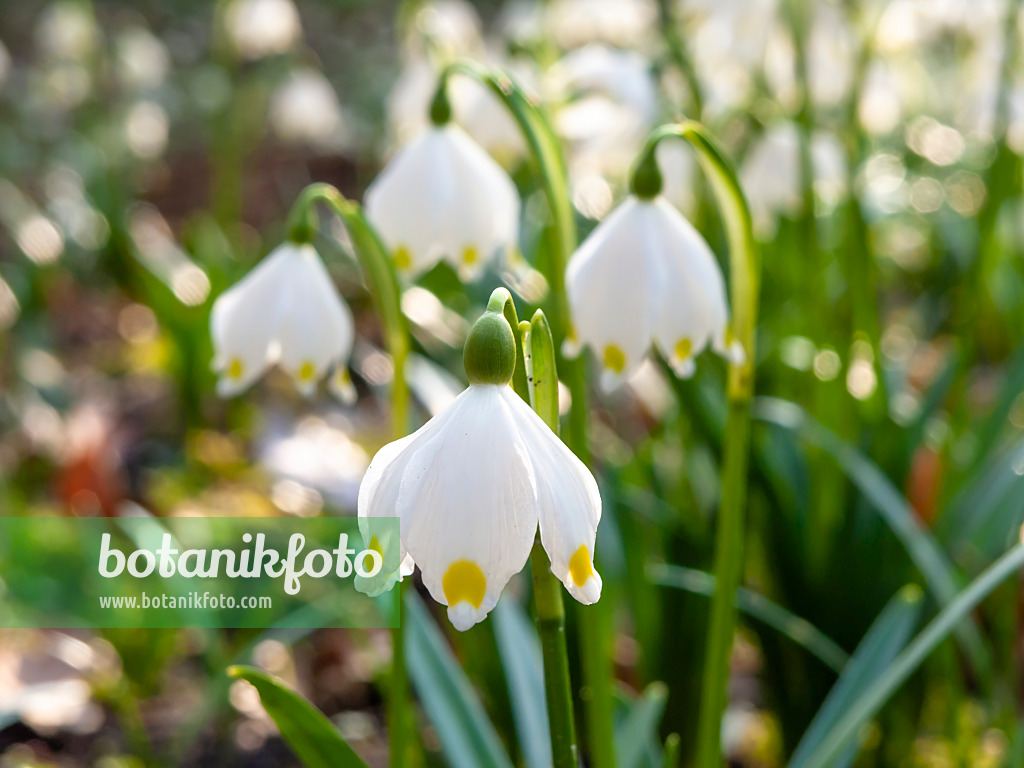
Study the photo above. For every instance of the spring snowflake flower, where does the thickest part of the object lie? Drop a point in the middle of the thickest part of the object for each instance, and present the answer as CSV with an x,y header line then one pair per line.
x,y
471,486
649,262
442,196
285,311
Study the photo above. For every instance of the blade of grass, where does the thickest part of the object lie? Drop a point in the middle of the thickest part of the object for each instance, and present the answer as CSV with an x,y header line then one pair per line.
x,y
313,738
640,726
924,551
467,737
975,509
867,705
887,636
519,650
799,630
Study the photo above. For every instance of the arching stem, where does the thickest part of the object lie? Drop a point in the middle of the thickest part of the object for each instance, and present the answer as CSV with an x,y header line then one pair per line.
x,y
387,295
744,274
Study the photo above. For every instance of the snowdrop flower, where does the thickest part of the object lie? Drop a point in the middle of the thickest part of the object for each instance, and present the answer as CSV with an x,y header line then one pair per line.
x,y
285,311
260,28
471,486
305,108
645,277
443,196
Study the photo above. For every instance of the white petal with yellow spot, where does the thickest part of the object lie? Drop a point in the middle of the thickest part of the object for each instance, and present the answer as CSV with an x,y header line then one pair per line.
x,y
470,488
443,197
646,277
285,311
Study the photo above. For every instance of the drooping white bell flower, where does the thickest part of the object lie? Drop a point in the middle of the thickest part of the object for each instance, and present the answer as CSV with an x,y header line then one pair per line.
x,y
305,108
285,311
442,196
471,486
646,277
258,28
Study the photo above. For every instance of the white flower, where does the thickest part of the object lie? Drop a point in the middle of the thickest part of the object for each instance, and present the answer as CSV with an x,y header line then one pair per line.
x,y
305,108
470,488
260,28
442,196
646,277
285,311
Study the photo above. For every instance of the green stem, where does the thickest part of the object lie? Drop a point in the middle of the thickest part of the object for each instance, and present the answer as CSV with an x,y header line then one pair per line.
x,y
546,152
386,291
547,595
382,281
535,353
744,280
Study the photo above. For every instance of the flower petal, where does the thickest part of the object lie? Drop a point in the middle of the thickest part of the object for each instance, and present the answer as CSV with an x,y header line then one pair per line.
x,y
317,332
401,208
693,306
244,319
468,504
486,220
569,504
609,281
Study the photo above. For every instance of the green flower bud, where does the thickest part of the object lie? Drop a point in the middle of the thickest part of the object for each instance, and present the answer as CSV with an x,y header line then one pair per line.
x,y
490,352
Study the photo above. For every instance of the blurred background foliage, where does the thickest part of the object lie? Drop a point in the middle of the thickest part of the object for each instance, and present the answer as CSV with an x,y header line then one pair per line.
x,y
149,152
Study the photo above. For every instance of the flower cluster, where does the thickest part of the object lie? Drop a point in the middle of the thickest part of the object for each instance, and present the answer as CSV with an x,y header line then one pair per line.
x,y
473,485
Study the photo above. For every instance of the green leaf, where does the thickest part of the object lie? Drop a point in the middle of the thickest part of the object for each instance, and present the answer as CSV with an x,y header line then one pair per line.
x,y
987,510
519,650
799,630
870,701
924,551
886,637
640,727
541,374
449,702
313,738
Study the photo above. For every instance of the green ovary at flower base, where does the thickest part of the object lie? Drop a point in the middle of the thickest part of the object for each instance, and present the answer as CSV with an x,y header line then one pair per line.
x,y
473,484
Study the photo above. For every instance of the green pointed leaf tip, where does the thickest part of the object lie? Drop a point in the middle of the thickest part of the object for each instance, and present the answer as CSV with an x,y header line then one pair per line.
x,y
541,372
313,738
